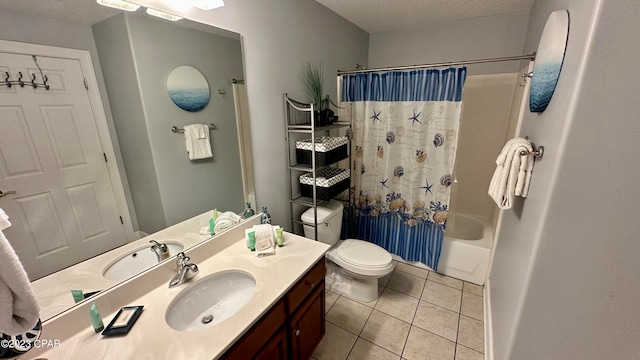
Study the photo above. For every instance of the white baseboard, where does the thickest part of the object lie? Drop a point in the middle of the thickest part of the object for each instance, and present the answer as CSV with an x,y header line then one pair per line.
x,y
488,328
140,234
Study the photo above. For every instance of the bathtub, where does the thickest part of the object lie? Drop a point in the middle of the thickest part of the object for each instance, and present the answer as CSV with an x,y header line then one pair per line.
x,y
466,248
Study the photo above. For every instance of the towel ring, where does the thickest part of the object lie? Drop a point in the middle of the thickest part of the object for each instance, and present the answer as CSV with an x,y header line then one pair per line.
x,y
537,153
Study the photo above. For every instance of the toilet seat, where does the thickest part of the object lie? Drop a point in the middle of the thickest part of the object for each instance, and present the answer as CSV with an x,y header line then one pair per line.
x,y
362,257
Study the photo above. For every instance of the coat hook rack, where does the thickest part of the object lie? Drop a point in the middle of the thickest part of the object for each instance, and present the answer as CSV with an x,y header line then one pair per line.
x,y
34,84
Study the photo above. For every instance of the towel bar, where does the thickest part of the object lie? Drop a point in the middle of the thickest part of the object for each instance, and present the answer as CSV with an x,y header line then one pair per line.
x,y
177,130
537,153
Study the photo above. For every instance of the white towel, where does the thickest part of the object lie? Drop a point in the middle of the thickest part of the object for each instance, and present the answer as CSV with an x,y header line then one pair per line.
x,y
513,173
225,221
19,310
4,220
265,240
197,140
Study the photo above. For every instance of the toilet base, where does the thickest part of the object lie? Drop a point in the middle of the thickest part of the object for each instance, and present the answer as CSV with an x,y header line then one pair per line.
x,y
356,287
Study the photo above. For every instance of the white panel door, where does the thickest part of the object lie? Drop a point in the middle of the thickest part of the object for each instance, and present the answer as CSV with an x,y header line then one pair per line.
x,y
64,209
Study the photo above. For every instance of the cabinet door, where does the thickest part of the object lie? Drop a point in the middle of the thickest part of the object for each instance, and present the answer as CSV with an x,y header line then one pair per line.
x,y
252,342
307,325
275,348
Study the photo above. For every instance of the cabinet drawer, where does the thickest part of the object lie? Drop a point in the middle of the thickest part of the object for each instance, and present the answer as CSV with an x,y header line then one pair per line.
x,y
305,286
247,347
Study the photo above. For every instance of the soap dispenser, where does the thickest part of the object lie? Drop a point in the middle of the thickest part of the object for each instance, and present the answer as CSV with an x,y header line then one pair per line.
x,y
265,218
248,212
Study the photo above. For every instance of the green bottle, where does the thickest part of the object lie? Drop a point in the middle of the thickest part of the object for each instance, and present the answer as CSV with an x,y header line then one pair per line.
x,y
96,319
248,212
265,218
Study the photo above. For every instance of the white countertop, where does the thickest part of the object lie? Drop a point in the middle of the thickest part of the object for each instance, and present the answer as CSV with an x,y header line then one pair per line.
x,y
151,337
54,291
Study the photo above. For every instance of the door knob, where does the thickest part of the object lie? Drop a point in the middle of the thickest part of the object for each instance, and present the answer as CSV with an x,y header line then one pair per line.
x,y
8,192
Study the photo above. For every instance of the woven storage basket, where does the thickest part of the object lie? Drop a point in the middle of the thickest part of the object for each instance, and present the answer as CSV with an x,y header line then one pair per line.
x,y
328,150
330,182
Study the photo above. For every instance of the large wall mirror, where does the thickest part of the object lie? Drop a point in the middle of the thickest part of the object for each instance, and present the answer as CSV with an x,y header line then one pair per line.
x,y
136,53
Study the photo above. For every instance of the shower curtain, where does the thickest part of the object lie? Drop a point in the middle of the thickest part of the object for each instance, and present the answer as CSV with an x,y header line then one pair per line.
x,y
405,131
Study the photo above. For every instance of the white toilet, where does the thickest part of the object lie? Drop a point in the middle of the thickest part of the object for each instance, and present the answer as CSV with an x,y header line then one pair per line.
x,y
353,266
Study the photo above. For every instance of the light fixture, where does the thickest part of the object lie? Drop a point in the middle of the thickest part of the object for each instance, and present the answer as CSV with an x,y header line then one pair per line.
x,y
208,4
162,14
119,4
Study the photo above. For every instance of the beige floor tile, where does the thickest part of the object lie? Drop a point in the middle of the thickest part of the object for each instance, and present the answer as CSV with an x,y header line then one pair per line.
x,y
385,279
413,270
349,315
423,345
330,298
472,306
446,280
386,331
464,353
365,350
406,283
437,320
335,345
442,295
473,288
397,304
471,333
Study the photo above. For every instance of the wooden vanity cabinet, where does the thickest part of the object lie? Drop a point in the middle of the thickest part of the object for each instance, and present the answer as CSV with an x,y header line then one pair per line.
x,y
291,329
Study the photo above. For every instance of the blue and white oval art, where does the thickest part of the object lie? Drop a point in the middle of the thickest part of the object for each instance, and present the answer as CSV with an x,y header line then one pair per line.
x,y
549,58
188,88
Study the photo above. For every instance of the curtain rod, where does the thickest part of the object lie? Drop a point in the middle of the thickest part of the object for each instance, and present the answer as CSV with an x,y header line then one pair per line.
x,y
451,63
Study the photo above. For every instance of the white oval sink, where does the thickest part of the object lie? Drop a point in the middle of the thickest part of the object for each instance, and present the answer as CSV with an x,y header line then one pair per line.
x,y
136,261
210,300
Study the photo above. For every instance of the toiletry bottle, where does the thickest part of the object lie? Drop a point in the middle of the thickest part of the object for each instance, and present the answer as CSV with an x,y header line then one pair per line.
x,y
77,295
96,319
265,218
279,237
252,241
248,212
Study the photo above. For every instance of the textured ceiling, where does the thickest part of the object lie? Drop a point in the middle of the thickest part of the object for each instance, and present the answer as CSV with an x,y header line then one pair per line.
x,y
372,16
375,16
79,11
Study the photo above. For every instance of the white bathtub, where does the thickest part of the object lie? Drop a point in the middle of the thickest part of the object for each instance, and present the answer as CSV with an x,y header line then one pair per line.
x,y
466,248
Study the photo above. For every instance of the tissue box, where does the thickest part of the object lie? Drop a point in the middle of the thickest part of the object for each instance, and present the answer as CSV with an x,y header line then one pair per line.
x,y
330,182
328,150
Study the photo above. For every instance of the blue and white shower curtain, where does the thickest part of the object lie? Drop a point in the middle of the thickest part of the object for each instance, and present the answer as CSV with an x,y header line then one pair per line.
x,y
405,131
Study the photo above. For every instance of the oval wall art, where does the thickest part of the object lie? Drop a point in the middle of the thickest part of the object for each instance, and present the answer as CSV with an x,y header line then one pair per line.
x,y
188,88
549,58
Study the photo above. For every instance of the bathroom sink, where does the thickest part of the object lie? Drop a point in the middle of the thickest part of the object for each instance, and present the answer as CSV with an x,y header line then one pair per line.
x,y
136,261
210,300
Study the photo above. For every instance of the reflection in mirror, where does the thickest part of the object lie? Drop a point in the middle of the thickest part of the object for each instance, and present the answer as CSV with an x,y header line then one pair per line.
x,y
162,187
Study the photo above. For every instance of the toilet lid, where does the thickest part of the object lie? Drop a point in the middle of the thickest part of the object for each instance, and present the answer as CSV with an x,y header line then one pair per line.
x,y
363,254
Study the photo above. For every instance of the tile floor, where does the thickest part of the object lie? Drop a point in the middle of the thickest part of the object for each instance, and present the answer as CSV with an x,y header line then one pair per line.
x,y
419,315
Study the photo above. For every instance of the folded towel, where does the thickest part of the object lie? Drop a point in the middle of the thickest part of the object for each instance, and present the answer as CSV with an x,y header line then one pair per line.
x,y
513,173
225,221
4,220
265,240
19,310
197,141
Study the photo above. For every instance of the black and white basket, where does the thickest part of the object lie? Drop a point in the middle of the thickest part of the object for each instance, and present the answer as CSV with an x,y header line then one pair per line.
x,y
328,150
330,182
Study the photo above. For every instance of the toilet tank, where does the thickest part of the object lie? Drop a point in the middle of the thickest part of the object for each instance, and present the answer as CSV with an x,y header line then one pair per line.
x,y
329,222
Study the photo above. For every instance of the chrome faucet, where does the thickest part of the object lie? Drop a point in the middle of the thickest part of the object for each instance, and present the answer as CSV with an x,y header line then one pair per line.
x,y
161,250
186,270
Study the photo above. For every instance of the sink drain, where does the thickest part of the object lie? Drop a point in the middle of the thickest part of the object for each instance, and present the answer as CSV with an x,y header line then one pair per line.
x,y
207,319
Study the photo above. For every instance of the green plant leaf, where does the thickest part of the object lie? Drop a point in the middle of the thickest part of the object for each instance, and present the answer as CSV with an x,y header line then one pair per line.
x,y
312,78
